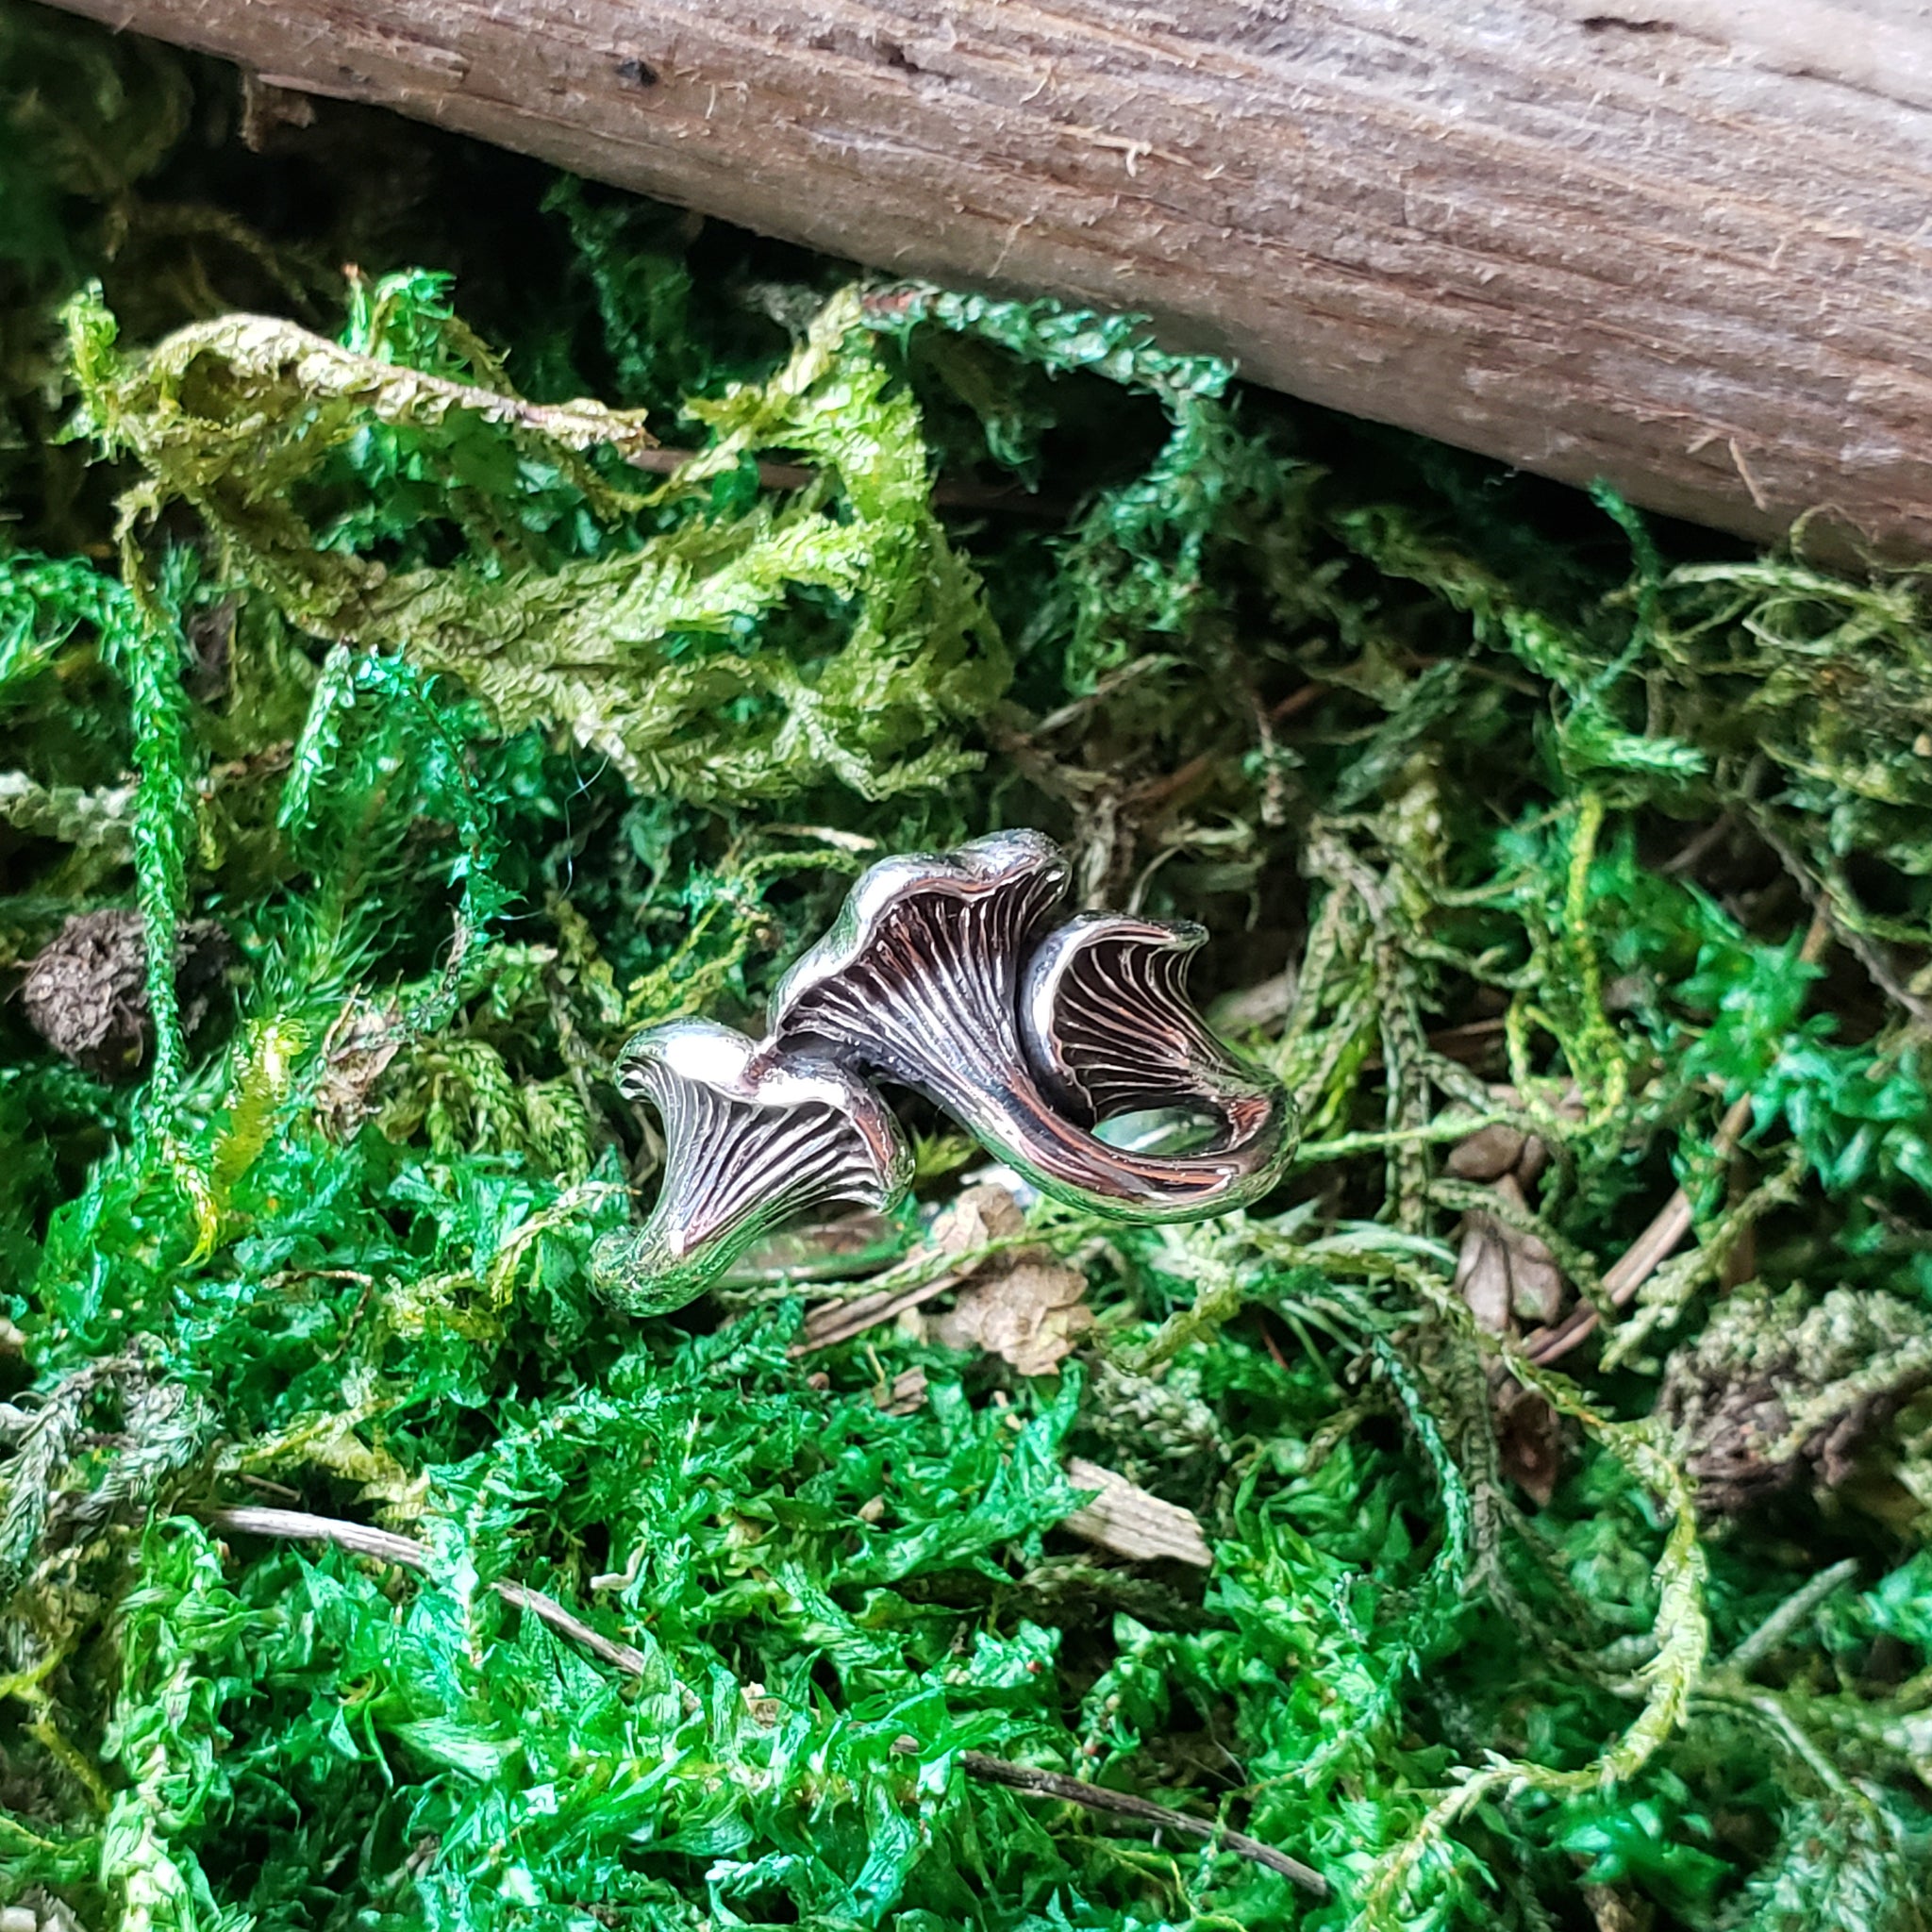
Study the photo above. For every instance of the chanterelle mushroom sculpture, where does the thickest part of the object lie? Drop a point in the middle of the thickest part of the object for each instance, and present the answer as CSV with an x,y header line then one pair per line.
x,y
940,975
918,982
751,1140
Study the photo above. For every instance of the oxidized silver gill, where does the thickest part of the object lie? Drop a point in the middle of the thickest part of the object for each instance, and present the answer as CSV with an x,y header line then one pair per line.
x,y
944,974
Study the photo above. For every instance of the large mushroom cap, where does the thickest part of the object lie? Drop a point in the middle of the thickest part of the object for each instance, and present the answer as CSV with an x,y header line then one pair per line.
x,y
923,962
752,1136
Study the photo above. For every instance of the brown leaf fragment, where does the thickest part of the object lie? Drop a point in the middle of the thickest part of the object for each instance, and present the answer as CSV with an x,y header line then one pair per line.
x,y
904,1394
1123,1518
1536,1286
354,1055
1505,1275
40,1911
1031,1313
1529,1438
1024,1305
1487,1154
1482,1273
1536,1283
980,1214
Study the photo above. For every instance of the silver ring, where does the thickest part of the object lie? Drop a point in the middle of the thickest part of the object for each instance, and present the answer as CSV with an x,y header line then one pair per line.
x,y
944,974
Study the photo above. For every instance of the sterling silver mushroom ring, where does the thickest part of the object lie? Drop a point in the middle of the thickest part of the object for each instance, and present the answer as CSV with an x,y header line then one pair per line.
x,y
947,973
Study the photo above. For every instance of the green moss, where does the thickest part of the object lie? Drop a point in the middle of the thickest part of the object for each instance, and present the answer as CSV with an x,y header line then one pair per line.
x,y
345,613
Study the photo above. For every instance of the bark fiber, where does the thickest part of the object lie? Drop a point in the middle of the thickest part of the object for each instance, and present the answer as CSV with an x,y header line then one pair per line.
x,y
1682,245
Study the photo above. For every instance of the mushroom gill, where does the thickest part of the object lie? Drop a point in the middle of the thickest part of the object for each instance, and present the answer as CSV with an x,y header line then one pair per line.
x,y
753,1138
918,982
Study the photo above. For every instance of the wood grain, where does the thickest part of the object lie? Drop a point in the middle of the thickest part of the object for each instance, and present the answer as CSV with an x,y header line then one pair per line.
x,y
1125,1518
1683,244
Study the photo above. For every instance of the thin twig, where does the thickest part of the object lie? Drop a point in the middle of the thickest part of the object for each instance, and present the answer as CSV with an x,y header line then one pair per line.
x,y
1073,1790
547,1610
831,1322
1298,701
1658,1242
1151,794
667,463
387,1547
1694,851
363,1539
1075,708
1013,498
1788,1616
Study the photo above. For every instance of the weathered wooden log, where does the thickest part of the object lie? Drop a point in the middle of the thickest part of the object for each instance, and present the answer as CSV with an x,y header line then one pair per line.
x,y
1682,244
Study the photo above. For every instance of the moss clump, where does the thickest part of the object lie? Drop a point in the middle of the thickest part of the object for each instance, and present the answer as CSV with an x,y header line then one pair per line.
x,y
483,724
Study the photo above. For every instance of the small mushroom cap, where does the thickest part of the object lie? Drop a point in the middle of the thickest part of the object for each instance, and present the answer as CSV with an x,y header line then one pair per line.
x,y
1084,1014
1106,1021
721,1060
753,1138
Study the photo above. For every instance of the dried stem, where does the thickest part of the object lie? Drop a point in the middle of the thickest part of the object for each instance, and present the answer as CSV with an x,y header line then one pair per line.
x,y
831,1322
387,1547
1073,1790
835,1320
547,1610
1658,1242
658,461
299,1525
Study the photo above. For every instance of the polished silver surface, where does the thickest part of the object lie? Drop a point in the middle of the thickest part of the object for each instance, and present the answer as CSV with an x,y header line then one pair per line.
x,y
918,982
1109,1028
943,972
751,1140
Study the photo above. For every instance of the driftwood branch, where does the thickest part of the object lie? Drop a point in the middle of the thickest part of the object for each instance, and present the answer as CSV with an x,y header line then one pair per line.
x,y
1676,244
